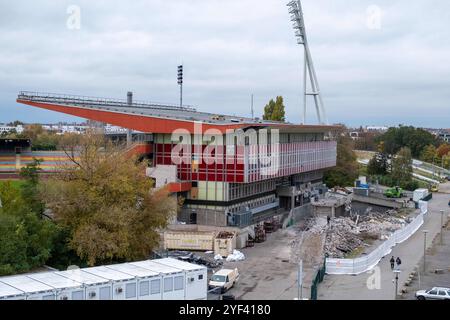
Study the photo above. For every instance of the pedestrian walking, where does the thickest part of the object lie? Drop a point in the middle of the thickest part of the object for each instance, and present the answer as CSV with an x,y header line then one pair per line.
x,y
392,262
399,262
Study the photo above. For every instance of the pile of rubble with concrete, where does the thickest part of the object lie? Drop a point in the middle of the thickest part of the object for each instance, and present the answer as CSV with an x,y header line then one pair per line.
x,y
346,236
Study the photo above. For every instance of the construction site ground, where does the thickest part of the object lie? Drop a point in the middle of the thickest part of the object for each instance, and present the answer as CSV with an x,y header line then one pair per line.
x,y
378,283
270,268
269,271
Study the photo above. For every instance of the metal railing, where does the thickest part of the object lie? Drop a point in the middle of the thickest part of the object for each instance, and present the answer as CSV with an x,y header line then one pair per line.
x,y
87,101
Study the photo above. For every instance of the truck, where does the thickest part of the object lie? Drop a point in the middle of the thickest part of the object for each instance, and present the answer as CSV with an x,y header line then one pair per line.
x,y
395,192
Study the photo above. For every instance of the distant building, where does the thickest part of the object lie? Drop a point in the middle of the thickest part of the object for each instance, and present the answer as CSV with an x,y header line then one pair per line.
x,y
376,128
10,129
445,135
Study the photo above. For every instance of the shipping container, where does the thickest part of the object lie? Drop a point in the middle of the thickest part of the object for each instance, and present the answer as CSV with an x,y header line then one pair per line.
x,y
148,282
200,241
10,293
173,280
124,286
34,290
196,285
96,288
66,289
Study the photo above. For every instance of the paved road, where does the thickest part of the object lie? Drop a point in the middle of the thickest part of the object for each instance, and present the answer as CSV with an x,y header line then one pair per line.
x,y
342,287
266,273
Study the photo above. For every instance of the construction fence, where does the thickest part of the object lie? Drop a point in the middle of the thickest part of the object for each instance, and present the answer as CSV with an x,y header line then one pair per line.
x,y
317,280
366,263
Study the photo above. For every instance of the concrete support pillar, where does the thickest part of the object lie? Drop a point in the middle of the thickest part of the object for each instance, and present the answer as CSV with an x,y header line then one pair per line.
x,y
130,103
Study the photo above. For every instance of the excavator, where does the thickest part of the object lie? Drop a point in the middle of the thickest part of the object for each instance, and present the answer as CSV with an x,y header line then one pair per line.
x,y
395,192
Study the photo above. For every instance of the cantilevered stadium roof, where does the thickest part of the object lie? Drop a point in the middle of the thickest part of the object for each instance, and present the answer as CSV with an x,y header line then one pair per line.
x,y
150,117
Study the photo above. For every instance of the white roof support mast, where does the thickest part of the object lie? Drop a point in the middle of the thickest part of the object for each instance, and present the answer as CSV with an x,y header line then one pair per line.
x,y
296,11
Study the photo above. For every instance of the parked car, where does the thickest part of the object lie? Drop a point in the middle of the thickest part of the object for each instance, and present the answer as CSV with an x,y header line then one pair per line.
x,y
224,279
435,293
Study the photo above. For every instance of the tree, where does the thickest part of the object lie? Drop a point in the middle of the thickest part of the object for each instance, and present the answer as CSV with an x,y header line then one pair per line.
x,y
443,150
26,239
29,188
274,110
413,138
429,153
346,170
402,171
16,123
105,202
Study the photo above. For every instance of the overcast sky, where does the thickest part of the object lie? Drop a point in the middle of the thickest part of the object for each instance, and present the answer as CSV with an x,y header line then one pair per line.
x,y
379,62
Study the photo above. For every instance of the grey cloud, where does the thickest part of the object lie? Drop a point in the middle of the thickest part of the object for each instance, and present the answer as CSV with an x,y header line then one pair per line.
x,y
232,49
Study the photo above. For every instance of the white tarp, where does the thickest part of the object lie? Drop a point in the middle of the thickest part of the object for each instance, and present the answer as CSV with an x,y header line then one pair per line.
x,y
236,256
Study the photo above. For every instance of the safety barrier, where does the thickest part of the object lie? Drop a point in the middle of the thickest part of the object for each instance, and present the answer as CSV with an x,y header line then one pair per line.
x,y
366,263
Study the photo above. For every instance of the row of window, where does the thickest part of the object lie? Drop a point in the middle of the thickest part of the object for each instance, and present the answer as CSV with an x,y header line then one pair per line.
x,y
146,287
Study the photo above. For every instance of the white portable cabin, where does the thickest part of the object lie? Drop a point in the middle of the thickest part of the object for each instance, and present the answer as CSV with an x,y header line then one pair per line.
x,y
148,282
66,289
124,286
196,283
173,279
10,293
96,288
33,289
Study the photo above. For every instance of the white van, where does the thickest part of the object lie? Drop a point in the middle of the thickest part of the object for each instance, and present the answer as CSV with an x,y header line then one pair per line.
x,y
224,279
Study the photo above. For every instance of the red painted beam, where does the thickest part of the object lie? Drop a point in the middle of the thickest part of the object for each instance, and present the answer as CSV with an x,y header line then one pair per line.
x,y
179,187
129,121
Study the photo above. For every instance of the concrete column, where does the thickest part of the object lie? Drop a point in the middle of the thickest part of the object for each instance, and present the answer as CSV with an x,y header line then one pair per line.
x,y
130,103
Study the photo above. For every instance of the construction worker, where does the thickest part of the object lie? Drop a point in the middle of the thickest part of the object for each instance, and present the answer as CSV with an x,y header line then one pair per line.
x,y
392,262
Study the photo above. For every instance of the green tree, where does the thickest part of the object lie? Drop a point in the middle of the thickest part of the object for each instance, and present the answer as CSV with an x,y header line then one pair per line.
x,y
105,201
26,239
346,170
413,138
402,172
29,188
274,110
379,164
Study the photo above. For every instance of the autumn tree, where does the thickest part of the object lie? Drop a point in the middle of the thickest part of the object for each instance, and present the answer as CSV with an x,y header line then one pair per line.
x,y
429,153
346,170
274,110
443,150
105,201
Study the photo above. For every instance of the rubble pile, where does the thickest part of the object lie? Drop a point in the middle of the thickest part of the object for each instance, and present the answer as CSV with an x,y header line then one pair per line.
x,y
344,235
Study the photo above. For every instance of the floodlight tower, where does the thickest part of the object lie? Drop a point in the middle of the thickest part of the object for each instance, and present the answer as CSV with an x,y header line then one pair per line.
x,y
296,11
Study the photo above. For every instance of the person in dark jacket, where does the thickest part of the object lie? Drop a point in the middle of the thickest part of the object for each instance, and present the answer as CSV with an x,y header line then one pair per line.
x,y
392,262
399,262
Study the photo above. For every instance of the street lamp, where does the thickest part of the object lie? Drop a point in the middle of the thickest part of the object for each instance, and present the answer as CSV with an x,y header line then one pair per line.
x,y
424,250
396,272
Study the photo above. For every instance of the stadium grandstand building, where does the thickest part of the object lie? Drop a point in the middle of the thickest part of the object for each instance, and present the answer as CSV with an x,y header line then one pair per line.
x,y
230,171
